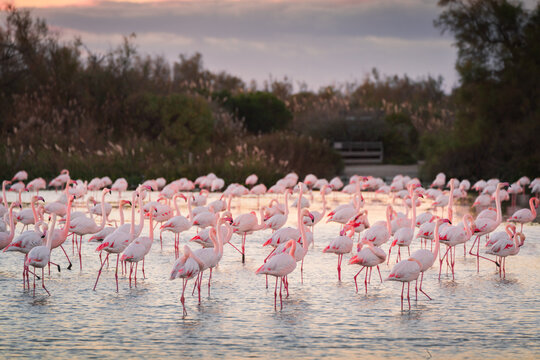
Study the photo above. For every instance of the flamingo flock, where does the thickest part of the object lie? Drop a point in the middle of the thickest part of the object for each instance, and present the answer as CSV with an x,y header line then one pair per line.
x,y
56,221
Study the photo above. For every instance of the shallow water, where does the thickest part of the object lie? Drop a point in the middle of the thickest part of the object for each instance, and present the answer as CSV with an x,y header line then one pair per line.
x,y
477,315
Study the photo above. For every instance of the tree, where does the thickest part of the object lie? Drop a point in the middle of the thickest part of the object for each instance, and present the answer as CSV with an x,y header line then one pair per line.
x,y
498,114
262,112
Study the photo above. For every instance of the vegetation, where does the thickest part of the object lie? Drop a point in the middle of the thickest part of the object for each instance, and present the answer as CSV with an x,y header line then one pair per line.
x,y
497,123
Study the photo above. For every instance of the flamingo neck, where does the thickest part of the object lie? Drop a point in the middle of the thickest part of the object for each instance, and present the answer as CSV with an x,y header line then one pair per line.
x,y
103,212
451,201
286,213
189,208
121,210
34,212
229,203
437,242
532,204
11,224
50,233
498,205
468,221
65,230
175,200
151,230
389,219
413,218
134,197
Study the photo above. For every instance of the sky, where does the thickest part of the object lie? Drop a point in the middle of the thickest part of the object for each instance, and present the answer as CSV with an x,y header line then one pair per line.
x,y
316,42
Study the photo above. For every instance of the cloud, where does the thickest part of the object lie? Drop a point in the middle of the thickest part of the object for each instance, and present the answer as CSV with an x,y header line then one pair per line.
x,y
309,40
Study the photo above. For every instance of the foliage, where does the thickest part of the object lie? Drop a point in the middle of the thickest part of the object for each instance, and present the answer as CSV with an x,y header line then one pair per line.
x,y
498,115
262,112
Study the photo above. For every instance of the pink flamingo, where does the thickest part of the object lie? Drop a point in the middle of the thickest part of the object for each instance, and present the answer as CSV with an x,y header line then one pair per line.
x,y
277,220
7,237
404,236
453,236
117,242
186,267
523,216
405,271
426,257
39,256
367,257
379,233
507,247
138,249
341,245
246,224
280,265
486,225
178,224
85,225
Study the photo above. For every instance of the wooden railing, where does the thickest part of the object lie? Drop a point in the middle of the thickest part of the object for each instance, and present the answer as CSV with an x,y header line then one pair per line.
x,y
360,152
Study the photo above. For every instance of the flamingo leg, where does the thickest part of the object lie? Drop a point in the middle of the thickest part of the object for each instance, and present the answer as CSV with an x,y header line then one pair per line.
x,y
338,267
422,291
80,253
402,288
43,282
275,295
136,267
366,280
280,296
355,276
116,273
143,274
244,248
209,279
408,297
130,273
182,298
99,272
67,257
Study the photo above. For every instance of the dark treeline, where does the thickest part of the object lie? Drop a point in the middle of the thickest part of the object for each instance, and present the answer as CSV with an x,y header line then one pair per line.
x,y
124,113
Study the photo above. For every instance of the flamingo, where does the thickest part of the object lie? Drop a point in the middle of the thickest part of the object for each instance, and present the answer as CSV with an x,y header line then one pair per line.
x,y
277,221
29,216
405,271
504,248
523,216
246,224
60,236
39,256
367,257
177,224
280,265
453,236
138,249
380,232
119,185
212,256
117,242
7,237
186,267
427,257
84,225
36,185
26,242
404,236
486,225
341,245
107,230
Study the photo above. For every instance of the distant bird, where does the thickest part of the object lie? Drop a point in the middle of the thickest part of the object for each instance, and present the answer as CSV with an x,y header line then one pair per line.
x,y
524,216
